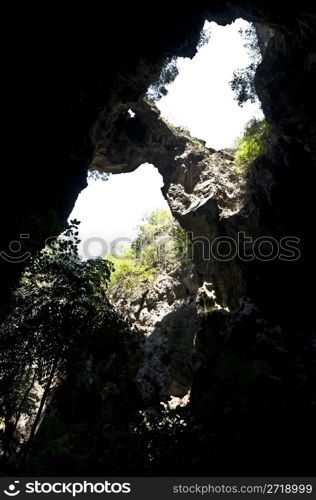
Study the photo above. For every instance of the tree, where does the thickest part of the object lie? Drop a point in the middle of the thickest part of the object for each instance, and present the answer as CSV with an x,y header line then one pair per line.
x,y
204,36
159,246
243,81
59,299
168,74
160,241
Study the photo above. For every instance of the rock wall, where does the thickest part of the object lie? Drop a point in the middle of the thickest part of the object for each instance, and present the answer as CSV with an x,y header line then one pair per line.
x,y
200,185
167,312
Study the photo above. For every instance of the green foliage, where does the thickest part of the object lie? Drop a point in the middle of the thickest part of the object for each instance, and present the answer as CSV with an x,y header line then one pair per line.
x,y
243,81
38,227
250,145
62,317
159,245
168,74
129,272
59,298
243,84
160,241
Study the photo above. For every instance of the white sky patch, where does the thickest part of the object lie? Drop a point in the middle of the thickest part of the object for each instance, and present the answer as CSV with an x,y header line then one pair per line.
x,y
110,210
199,99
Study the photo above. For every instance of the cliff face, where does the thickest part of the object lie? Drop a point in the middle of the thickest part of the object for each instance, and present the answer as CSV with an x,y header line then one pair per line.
x,y
168,313
200,185
252,369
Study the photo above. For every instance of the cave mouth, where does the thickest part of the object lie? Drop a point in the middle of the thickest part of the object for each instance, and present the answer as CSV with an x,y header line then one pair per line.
x,y
195,96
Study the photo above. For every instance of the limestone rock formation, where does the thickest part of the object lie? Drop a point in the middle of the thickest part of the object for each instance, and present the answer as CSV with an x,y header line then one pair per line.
x,y
200,184
167,312
70,81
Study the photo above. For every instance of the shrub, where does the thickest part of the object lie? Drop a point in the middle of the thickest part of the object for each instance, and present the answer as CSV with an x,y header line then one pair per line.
x,y
129,272
161,241
250,145
159,245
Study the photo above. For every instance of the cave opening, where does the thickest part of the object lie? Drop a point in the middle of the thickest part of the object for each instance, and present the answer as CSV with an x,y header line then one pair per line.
x,y
196,99
111,208
202,96
195,96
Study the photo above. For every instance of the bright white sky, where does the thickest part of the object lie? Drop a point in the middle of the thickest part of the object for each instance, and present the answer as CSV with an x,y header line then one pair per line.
x,y
111,209
199,99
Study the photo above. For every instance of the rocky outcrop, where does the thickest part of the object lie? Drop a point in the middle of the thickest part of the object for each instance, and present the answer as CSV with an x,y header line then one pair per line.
x,y
167,312
200,184
151,300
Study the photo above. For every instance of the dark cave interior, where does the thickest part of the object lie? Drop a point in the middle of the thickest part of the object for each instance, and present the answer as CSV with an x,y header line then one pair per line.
x,y
70,80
